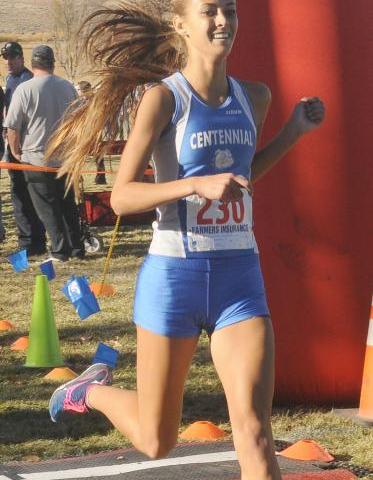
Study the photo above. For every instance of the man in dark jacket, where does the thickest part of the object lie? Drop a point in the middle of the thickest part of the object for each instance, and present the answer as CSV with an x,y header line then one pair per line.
x,y
2,229
31,231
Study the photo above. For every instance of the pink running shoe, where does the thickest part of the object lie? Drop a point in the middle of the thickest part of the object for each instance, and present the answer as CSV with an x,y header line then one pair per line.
x,y
71,397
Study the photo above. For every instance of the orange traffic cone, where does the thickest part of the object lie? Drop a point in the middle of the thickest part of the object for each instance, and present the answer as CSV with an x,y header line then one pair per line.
x,y
61,375
102,289
366,396
203,431
306,450
20,345
5,325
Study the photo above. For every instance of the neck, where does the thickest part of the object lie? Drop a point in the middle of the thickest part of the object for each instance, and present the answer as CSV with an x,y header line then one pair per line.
x,y
208,79
18,72
38,72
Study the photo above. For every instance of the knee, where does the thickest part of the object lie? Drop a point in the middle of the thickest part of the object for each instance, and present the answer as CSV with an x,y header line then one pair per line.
x,y
158,446
253,427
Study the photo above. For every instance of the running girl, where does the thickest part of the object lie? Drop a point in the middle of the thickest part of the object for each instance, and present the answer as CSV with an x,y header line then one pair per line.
x,y
201,129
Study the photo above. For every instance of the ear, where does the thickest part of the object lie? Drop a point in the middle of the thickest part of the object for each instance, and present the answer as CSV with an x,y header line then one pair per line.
x,y
179,26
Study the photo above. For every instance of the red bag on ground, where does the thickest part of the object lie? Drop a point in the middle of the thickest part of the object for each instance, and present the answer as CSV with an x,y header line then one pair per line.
x,y
98,212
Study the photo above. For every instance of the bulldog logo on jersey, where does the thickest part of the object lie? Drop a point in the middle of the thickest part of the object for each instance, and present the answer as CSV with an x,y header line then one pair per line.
x,y
223,159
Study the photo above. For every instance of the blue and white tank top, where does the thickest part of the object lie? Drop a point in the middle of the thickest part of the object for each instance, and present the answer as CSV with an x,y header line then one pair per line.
x,y
205,140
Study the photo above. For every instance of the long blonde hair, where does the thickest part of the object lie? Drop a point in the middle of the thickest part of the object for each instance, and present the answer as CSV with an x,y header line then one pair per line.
x,y
128,45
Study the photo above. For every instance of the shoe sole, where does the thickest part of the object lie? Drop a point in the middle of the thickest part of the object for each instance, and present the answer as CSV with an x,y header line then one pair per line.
x,y
82,376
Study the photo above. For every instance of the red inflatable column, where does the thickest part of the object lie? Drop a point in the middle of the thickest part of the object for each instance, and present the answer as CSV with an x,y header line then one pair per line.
x,y
312,214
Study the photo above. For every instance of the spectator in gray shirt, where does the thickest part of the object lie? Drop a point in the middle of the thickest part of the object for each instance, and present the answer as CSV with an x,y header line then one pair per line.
x,y
36,110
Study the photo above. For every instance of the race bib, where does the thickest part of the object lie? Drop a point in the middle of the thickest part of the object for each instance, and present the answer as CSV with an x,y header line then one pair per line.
x,y
217,225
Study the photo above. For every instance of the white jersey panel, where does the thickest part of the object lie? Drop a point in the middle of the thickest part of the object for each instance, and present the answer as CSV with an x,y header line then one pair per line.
x,y
167,235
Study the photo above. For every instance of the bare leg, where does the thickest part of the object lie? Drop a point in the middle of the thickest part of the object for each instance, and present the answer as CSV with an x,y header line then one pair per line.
x,y
243,355
150,417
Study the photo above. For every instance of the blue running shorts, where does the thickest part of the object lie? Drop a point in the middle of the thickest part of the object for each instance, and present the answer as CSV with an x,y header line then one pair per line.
x,y
178,297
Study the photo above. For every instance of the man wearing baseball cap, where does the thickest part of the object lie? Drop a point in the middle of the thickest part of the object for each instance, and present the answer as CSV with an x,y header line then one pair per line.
x,y
35,112
31,232
17,72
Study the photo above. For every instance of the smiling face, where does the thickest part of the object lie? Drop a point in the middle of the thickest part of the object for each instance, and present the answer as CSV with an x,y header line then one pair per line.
x,y
208,27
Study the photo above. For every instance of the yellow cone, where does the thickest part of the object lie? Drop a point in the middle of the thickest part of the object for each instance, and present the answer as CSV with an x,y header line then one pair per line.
x,y
61,375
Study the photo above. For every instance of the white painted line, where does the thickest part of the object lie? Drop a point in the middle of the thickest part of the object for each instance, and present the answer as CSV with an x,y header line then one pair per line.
x,y
104,471
2,477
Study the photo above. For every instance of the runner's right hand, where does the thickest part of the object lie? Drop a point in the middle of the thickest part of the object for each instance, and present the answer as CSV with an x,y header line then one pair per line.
x,y
223,186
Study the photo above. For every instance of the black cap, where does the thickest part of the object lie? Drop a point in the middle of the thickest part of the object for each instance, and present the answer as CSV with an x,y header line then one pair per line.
x,y
43,55
11,50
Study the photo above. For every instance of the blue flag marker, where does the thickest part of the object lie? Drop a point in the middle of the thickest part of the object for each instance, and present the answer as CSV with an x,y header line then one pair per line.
x,y
19,261
106,354
77,290
47,269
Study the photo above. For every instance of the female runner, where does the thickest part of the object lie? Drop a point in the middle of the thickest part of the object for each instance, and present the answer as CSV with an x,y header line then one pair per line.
x,y
200,127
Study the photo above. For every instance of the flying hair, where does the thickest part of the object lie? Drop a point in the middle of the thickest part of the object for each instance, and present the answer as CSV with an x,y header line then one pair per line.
x,y
128,44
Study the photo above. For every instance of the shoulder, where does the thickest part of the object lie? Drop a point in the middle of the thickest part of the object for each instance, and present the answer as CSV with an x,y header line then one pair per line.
x,y
258,92
159,93
24,87
158,100
62,83
26,74
154,111
66,83
261,97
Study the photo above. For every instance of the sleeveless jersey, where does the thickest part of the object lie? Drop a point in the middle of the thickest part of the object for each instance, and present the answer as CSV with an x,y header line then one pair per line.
x,y
205,140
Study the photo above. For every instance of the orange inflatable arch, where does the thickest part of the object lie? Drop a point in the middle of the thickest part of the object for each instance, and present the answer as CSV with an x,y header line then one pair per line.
x,y
312,215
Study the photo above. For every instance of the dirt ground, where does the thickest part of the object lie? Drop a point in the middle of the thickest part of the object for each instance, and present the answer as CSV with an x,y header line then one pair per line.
x,y
29,22
25,16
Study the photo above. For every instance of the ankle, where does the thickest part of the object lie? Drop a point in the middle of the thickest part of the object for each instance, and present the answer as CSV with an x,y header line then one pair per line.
x,y
89,399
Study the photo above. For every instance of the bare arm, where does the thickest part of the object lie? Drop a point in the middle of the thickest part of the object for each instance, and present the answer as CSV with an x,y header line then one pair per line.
x,y
308,114
130,194
14,143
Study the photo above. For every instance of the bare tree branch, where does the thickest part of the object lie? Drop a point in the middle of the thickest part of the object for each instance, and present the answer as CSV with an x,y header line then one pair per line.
x,y
68,16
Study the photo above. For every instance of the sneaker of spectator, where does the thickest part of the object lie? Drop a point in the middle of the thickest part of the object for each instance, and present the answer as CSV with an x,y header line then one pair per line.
x,y
58,259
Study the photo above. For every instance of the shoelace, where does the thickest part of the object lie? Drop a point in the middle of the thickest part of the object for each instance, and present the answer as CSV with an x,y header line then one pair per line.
x,y
80,405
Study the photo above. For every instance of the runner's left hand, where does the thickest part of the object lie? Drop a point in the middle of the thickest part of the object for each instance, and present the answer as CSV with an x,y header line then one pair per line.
x,y
308,114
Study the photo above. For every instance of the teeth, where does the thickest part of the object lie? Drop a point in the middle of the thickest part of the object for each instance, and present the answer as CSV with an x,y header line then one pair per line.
x,y
221,35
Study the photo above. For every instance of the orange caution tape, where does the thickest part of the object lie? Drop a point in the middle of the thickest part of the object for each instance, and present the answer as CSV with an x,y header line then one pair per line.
x,y
34,168
30,168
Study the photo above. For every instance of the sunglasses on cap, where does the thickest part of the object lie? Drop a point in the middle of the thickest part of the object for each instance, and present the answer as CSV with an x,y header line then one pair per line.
x,y
11,50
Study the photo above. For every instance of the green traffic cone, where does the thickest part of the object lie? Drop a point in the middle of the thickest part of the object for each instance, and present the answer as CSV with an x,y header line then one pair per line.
x,y
44,347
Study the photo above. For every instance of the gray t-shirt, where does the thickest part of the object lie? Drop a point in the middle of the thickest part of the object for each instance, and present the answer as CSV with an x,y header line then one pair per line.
x,y
35,111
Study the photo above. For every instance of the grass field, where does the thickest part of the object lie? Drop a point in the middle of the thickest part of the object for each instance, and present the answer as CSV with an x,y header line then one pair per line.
x,y
26,433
